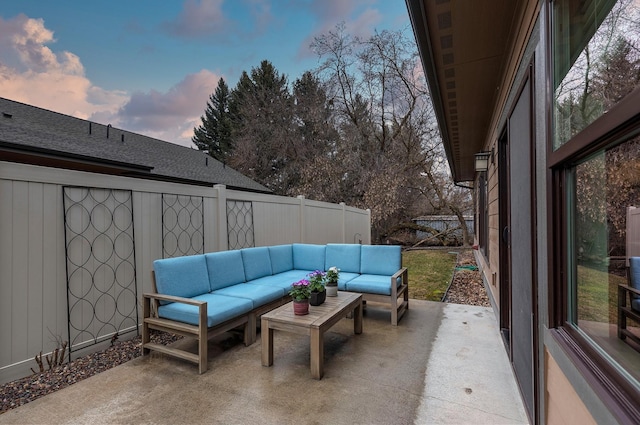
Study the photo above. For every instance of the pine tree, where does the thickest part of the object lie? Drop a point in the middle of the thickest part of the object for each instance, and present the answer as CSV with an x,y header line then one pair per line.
x,y
214,135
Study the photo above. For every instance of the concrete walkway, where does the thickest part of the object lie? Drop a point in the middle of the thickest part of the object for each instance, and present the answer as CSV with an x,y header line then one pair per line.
x,y
444,364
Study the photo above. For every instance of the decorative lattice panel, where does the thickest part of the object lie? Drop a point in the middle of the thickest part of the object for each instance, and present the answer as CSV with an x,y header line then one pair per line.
x,y
182,225
240,224
101,275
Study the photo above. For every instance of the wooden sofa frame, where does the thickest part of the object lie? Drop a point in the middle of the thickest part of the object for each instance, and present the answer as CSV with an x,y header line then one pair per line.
x,y
201,333
625,311
398,309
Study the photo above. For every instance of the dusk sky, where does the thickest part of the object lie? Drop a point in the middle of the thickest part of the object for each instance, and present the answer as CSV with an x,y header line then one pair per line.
x,y
149,66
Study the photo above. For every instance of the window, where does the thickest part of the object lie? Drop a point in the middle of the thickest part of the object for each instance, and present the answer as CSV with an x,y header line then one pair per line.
x,y
602,188
595,57
595,160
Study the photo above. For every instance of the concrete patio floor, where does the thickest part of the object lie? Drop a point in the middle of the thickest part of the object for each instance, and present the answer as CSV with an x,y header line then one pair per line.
x,y
443,364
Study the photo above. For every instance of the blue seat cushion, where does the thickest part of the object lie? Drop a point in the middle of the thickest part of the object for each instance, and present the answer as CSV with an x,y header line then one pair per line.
x,y
634,275
344,278
281,258
225,269
345,257
220,308
282,280
635,304
257,262
370,284
258,294
308,256
182,276
380,259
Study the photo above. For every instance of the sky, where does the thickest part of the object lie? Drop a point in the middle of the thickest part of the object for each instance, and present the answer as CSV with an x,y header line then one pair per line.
x,y
149,66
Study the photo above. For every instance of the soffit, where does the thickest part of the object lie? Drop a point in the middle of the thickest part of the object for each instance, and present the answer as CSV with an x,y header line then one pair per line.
x,y
464,46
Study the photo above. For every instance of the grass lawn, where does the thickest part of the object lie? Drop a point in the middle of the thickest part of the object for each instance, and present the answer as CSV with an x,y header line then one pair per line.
x,y
430,272
597,295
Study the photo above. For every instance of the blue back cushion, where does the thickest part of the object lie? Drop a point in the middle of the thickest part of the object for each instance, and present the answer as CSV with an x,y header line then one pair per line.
x,y
634,273
182,276
225,269
257,262
346,257
281,258
308,257
380,259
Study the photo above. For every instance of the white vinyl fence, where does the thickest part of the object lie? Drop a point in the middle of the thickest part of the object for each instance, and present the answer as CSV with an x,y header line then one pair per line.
x,y
76,249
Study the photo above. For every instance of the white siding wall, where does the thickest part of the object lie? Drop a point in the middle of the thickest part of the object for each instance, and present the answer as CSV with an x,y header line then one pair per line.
x,y
33,276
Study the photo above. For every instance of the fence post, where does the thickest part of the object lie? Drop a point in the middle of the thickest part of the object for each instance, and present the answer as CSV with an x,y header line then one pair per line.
x,y
344,222
302,214
221,219
368,242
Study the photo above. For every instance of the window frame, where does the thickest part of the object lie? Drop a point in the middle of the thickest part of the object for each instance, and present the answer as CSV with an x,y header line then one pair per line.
x,y
607,381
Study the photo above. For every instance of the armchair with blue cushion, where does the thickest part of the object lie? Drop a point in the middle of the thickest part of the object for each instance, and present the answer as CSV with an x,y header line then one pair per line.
x,y
629,303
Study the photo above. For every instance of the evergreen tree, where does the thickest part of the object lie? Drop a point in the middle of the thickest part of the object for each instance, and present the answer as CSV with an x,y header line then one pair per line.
x,y
214,135
261,107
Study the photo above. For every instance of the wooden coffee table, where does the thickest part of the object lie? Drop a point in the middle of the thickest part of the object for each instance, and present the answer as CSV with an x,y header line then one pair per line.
x,y
315,324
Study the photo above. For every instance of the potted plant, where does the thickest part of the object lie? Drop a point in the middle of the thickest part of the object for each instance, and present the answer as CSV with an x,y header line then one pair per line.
x,y
316,285
331,278
300,293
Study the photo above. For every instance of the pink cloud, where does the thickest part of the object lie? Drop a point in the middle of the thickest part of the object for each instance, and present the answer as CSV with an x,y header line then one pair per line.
x,y
170,116
333,12
32,73
198,18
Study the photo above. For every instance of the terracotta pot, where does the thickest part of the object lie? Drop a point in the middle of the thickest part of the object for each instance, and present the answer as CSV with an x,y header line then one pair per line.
x,y
300,308
318,298
332,291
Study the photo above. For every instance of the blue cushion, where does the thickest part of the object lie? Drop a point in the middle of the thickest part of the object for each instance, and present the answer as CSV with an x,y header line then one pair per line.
x,y
281,258
346,257
219,309
380,259
308,257
635,304
225,269
370,284
182,276
634,275
282,280
344,278
258,294
293,275
256,262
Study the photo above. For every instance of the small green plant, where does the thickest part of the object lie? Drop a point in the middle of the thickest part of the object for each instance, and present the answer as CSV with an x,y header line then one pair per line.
x,y
300,290
332,276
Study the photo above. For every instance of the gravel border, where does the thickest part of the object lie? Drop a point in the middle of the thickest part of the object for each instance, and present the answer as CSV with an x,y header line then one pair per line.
x,y
27,389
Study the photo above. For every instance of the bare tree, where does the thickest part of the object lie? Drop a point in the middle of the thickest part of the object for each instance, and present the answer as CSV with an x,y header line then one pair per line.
x,y
390,142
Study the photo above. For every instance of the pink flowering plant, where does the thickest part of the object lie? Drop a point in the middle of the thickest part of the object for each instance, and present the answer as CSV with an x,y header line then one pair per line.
x,y
316,281
300,290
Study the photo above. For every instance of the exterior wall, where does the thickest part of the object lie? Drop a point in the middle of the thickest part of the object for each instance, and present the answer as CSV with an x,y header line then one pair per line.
x,y
564,393
33,264
559,394
491,269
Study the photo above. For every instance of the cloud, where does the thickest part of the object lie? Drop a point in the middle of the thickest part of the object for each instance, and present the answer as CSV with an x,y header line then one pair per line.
x,y
198,18
32,73
170,116
358,22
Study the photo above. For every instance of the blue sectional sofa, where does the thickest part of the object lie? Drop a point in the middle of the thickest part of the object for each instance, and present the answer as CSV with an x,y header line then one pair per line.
x,y
201,296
